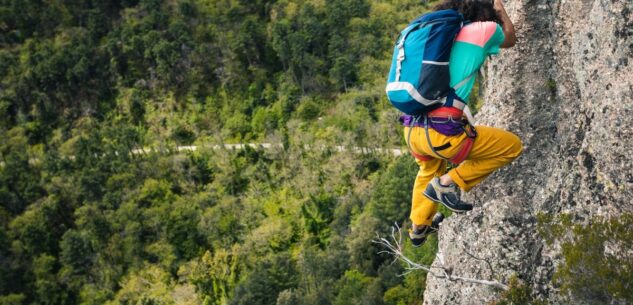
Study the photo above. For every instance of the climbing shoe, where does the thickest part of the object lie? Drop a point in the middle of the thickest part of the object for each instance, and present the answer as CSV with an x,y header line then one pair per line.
x,y
446,195
418,237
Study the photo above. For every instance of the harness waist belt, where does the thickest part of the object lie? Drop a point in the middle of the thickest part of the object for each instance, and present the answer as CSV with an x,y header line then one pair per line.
x,y
446,112
464,149
448,121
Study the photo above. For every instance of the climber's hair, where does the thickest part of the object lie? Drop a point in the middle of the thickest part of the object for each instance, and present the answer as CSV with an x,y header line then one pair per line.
x,y
473,10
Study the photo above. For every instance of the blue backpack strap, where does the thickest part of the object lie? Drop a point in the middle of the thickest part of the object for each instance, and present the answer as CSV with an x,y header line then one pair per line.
x,y
452,95
464,81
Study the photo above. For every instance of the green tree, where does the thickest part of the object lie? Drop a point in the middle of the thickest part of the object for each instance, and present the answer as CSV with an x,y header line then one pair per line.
x,y
216,275
48,287
267,280
355,289
77,251
318,213
391,198
151,285
19,179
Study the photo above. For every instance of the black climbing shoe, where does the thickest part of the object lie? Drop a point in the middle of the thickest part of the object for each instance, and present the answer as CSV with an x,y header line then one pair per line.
x,y
446,195
418,237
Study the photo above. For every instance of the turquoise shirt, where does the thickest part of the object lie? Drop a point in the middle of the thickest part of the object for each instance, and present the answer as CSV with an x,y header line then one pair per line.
x,y
473,44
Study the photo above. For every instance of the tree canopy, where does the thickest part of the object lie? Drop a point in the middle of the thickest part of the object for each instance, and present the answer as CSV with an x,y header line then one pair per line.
x,y
97,206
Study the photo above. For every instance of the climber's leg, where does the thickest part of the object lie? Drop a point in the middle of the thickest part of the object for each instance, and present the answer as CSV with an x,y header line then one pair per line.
x,y
423,209
493,148
424,216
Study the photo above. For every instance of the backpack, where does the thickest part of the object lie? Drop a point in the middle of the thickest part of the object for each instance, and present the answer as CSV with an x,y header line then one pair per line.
x,y
419,79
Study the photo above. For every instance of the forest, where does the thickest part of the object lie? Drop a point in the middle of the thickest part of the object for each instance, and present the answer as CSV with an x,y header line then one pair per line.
x,y
97,206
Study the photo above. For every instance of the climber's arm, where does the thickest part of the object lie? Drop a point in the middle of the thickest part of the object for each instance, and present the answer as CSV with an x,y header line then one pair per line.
x,y
508,27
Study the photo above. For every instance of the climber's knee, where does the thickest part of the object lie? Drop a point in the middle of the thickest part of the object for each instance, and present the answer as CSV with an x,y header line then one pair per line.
x,y
516,147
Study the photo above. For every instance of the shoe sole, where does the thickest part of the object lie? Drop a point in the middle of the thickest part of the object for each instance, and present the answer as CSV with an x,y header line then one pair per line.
x,y
421,243
437,220
418,245
442,203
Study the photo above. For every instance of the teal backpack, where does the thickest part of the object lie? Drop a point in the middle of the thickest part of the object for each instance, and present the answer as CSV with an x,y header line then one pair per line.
x,y
419,79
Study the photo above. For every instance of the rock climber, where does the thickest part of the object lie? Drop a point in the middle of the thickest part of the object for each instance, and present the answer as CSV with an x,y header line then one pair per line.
x,y
448,131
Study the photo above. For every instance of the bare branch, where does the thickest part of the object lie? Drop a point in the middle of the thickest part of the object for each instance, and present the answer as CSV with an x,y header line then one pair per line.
x,y
394,248
492,271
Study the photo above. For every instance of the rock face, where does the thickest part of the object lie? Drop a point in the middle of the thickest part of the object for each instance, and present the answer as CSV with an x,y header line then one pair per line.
x,y
566,89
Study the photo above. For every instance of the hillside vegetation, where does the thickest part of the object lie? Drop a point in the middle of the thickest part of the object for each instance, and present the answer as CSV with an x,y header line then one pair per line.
x,y
85,221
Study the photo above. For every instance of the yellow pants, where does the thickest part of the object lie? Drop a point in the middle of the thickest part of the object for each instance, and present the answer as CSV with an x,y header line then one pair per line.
x,y
492,149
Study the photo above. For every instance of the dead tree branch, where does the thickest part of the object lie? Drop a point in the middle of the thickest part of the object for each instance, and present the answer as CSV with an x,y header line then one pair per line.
x,y
393,247
492,271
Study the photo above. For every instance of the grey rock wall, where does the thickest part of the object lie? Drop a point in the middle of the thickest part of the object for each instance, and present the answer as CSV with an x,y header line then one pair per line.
x,y
566,89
